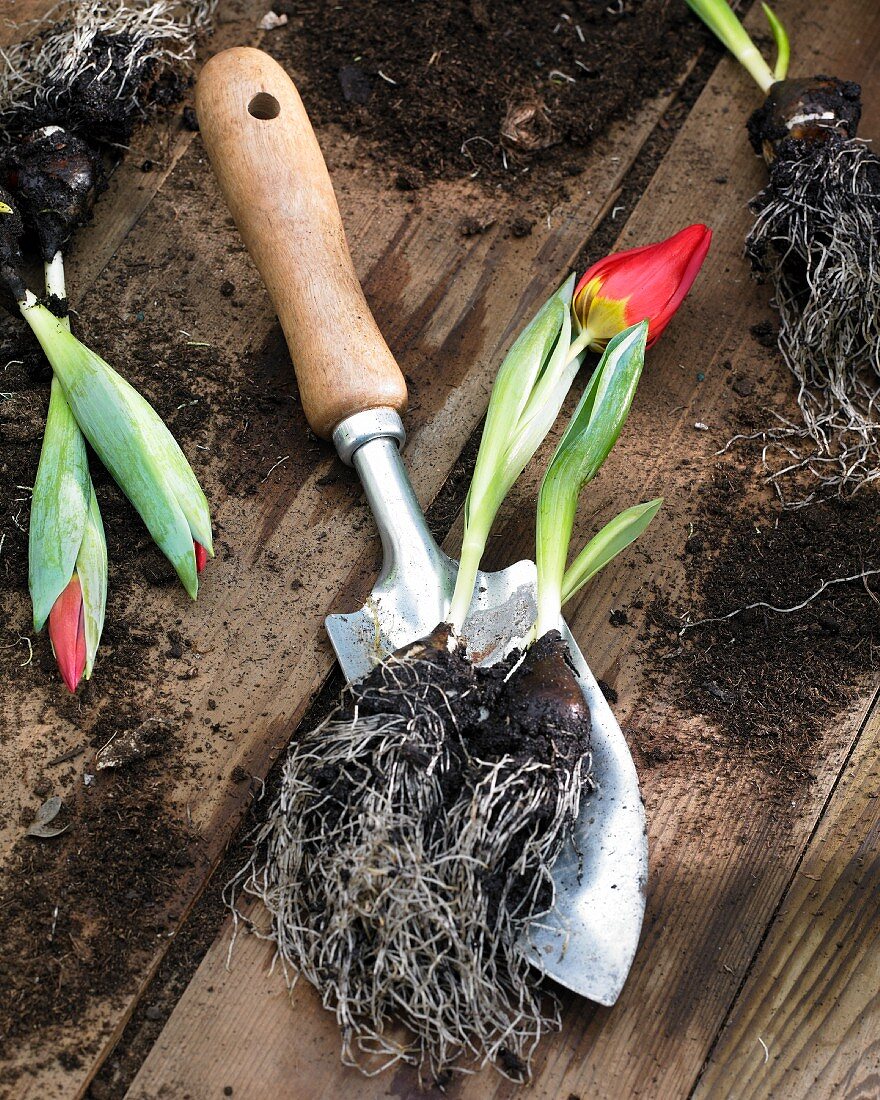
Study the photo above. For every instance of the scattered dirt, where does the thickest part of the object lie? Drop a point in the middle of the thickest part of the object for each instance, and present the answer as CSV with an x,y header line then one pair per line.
x,y
482,88
769,680
82,911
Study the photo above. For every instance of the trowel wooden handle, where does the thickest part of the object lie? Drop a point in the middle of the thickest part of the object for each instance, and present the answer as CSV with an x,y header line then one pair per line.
x,y
273,176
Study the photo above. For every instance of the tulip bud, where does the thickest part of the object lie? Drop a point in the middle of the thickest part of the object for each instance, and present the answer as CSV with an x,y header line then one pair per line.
x,y
67,551
131,440
201,556
68,634
647,283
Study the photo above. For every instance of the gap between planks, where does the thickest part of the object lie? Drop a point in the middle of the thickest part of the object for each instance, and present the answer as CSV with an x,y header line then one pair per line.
x,y
711,900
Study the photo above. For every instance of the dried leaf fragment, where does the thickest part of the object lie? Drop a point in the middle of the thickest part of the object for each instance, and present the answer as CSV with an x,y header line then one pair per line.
x,y
41,825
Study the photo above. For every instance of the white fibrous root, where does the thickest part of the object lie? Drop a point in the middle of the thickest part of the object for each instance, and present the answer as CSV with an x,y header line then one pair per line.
x,y
401,873
82,40
817,239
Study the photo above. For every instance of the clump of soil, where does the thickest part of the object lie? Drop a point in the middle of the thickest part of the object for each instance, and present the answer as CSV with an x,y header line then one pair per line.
x,y
478,87
769,680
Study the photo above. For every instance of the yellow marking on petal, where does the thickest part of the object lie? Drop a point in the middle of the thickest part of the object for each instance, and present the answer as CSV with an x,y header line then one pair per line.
x,y
606,318
5,208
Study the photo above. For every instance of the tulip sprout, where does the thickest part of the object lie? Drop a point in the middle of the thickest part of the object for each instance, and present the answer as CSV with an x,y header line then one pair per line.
x,y
528,392
816,238
67,550
647,283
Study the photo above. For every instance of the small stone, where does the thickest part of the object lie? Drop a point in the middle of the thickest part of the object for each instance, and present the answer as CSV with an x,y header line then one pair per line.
x,y
357,87
473,227
147,166
410,179
153,1012
521,227
227,289
743,386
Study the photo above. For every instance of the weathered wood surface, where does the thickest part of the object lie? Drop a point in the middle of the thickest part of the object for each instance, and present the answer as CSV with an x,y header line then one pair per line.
x,y
723,851
447,305
813,996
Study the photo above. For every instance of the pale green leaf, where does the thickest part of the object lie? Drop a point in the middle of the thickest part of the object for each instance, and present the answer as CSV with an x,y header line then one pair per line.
x,y
91,567
783,46
724,24
133,443
585,444
528,392
59,508
615,536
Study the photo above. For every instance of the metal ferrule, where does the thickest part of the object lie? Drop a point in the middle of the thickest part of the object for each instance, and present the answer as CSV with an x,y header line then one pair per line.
x,y
356,430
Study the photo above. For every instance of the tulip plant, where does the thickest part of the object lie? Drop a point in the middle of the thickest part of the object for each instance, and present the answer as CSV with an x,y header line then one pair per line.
x,y
602,313
816,241
67,549
89,401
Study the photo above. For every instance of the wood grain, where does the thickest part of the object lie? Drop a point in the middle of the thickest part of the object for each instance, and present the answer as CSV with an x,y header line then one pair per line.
x,y
295,540
813,995
274,179
718,873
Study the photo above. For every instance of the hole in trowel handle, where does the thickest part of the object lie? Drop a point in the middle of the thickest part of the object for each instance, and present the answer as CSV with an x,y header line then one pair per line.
x,y
264,106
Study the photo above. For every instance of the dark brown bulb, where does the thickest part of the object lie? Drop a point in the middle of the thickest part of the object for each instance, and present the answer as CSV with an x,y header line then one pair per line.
x,y
807,109
56,178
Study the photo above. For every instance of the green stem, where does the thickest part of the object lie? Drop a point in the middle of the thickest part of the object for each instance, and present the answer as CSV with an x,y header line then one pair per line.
x,y
579,345
471,552
724,24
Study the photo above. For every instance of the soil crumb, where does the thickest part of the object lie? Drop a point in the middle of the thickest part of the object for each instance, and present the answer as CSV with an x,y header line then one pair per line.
x,y
769,680
480,88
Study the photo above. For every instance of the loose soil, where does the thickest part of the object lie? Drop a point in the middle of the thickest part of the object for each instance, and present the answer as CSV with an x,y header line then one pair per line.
x,y
768,680
482,88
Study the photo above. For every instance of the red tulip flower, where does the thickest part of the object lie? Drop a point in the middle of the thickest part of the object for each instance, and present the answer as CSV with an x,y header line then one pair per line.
x,y
647,283
67,633
201,556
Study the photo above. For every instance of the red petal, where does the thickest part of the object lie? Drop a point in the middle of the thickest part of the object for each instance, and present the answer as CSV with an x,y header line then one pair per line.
x,y
201,556
653,279
68,634
685,282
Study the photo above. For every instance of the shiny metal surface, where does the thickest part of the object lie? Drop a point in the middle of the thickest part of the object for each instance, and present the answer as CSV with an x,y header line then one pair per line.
x,y
589,943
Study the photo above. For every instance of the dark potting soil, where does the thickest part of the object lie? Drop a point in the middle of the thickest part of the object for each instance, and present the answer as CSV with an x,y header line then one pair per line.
x,y
82,911
769,680
480,87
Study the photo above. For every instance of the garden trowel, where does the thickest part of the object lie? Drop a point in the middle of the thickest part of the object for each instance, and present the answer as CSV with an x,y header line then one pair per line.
x,y
266,157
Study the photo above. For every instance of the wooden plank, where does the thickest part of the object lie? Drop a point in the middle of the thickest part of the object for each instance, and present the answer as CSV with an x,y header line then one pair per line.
x,y
718,874
448,306
813,995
